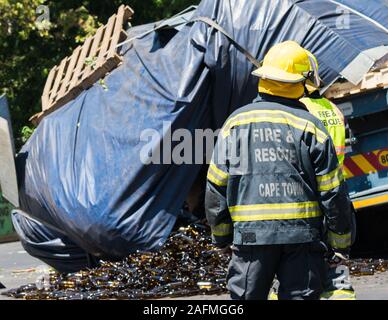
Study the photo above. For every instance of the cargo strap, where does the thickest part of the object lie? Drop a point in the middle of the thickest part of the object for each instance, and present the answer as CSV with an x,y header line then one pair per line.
x,y
211,23
216,26
157,26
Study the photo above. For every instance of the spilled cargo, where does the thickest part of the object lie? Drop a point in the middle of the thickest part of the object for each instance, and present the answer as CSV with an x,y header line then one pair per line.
x,y
187,265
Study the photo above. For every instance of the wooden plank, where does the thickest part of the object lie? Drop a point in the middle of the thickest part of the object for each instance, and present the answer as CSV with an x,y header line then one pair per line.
x,y
123,36
54,94
94,51
128,13
36,118
81,62
112,63
116,32
47,88
70,70
105,42
373,80
58,80
50,97
100,73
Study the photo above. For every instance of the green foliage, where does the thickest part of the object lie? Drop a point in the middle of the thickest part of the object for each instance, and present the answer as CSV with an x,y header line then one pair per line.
x,y
6,227
5,207
26,133
30,46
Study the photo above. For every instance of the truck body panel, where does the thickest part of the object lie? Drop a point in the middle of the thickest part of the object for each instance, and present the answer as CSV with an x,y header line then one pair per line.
x,y
366,163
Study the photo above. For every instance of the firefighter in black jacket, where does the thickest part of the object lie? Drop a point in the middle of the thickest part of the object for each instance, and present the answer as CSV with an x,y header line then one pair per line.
x,y
273,178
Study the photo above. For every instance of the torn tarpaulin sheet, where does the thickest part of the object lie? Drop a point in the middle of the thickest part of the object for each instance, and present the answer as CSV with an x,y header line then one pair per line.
x,y
81,172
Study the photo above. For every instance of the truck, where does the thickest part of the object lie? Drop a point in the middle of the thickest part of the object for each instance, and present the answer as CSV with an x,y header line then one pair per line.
x,y
366,165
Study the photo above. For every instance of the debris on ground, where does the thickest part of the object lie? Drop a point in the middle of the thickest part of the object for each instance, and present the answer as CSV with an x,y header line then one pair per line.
x,y
187,265
367,267
24,271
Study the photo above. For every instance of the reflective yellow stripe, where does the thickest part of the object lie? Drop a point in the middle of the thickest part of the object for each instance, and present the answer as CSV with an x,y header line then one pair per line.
x,y
273,296
339,241
337,132
348,173
331,180
282,216
339,295
217,176
271,116
335,174
363,164
222,230
371,202
219,172
271,206
301,67
216,181
341,160
278,211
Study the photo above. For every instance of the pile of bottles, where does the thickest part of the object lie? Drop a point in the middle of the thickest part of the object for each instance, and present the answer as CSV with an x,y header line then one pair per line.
x,y
187,265
367,267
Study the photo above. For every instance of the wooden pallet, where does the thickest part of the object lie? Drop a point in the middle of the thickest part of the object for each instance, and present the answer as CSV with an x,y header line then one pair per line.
x,y
88,64
372,81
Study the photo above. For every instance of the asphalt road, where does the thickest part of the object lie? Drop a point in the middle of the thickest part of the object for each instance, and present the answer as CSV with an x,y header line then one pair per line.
x,y
18,268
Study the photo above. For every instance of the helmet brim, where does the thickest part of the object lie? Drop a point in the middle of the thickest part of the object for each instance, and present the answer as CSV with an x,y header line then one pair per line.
x,y
275,74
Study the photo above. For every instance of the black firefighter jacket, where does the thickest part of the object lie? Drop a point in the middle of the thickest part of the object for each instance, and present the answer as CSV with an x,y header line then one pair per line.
x,y
274,177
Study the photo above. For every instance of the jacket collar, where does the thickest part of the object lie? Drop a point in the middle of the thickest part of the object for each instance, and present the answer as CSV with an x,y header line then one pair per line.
x,y
285,101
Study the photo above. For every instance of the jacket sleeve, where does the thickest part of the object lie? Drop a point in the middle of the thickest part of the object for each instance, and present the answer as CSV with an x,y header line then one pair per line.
x,y
217,212
332,193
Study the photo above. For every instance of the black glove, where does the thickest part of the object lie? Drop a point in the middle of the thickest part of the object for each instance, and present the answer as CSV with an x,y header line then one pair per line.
x,y
227,250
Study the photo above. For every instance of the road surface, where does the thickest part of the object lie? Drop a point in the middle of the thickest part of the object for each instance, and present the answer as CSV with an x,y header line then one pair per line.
x,y
18,268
